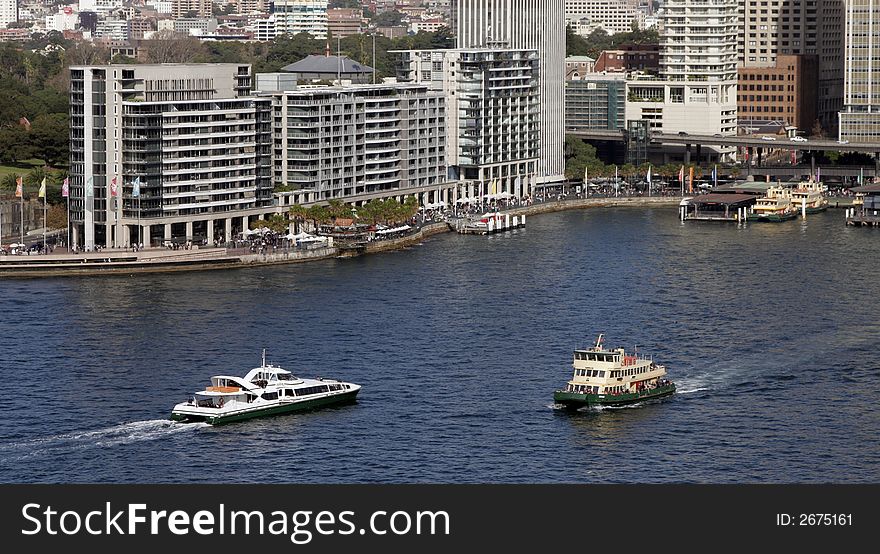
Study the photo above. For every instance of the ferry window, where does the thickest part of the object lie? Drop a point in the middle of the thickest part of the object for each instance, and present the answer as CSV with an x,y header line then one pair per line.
x,y
270,396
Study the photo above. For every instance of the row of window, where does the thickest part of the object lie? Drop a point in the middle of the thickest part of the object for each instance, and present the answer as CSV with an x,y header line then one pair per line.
x,y
589,373
631,371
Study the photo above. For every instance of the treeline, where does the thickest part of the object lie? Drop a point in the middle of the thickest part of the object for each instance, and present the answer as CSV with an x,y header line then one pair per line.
x,y
599,40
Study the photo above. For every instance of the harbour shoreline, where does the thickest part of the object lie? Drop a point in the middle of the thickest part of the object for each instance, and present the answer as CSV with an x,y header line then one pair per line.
x,y
122,263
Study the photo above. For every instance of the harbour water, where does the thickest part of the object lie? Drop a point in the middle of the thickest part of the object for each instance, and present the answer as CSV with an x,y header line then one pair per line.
x,y
769,330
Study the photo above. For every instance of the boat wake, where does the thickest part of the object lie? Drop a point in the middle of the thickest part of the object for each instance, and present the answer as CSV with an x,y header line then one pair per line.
x,y
125,433
690,391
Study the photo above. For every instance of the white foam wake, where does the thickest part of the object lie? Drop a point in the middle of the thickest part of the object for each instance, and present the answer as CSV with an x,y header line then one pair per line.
x,y
124,433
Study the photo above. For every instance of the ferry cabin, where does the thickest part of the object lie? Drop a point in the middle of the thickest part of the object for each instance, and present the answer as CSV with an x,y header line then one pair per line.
x,y
267,383
612,372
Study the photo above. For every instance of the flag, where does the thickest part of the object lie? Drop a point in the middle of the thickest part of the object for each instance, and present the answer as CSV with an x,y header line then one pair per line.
x,y
113,187
817,174
65,188
19,193
715,176
42,193
136,187
90,187
649,176
691,180
861,174
681,174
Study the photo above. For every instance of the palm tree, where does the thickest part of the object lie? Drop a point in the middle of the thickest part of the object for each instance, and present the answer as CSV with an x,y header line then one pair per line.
x,y
298,214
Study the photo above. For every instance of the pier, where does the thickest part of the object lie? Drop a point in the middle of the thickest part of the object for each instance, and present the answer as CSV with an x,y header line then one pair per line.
x,y
488,224
865,210
730,207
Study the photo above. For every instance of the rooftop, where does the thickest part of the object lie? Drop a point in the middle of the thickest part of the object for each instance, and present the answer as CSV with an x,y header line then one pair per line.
x,y
328,64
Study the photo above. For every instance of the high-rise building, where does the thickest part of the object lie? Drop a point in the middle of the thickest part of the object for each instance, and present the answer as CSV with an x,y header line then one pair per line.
x,y
860,117
188,137
8,12
191,8
529,25
696,90
341,142
785,91
300,16
613,16
493,106
772,28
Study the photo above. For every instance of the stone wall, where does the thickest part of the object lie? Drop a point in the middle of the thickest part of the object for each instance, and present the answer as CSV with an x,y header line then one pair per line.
x,y
10,217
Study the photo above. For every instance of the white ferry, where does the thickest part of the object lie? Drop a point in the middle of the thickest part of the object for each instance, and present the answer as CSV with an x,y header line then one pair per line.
x,y
775,206
612,378
810,197
264,391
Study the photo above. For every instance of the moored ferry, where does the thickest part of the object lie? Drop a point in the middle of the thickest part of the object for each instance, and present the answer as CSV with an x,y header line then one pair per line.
x,y
775,206
605,377
810,196
264,391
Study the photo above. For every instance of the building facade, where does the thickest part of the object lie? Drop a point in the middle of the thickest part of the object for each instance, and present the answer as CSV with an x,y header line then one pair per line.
x,y
613,16
577,67
191,8
784,91
191,135
696,90
344,22
341,142
629,58
300,16
773,28
860,117
493,105
595,103
527,25
8,12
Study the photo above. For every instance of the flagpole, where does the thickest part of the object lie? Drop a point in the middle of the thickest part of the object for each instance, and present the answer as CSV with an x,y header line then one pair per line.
x,y
21,230
44,224
68,223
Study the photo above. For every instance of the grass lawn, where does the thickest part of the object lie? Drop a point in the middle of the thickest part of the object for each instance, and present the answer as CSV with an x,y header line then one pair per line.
x,y
22,168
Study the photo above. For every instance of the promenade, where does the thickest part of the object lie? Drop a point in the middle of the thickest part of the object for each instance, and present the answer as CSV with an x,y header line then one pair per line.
x,y
156,260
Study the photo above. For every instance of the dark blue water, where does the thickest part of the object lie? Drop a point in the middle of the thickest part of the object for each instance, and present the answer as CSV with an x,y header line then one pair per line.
x,y
770,331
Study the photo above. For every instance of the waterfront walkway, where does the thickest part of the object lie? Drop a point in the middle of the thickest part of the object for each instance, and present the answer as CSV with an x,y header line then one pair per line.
x,y
152,260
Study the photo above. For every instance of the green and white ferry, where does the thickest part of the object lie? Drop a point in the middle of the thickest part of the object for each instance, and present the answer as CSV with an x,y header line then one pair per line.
x,y
266,390
605,377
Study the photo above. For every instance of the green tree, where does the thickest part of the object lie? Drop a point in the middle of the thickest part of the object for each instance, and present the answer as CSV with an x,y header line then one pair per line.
x,y
276,223
49,137
14,144
390,18
298,214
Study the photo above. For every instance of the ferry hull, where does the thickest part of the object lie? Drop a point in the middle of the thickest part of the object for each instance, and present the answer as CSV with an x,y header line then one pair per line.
x,y
578,400
772,218
279,409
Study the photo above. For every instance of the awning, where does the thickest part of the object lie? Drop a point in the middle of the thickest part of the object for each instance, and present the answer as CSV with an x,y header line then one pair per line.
x,y
394,230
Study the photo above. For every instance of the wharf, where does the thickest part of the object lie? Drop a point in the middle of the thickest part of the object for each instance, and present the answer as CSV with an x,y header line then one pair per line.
x,y
488,224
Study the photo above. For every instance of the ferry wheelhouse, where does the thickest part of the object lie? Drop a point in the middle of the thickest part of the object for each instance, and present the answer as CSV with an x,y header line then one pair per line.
x,y
604,377
775,206
811,196
264,391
